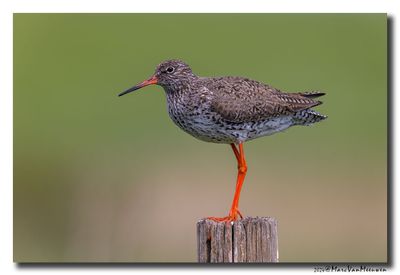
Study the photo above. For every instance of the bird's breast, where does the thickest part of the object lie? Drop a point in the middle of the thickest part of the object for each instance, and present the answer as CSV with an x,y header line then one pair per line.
x,y
194,115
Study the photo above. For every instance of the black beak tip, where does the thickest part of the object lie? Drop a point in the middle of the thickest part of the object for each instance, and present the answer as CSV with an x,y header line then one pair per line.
x,y
128,91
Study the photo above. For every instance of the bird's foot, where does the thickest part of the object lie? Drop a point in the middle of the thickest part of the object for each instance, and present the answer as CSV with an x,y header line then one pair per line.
x,y
233,216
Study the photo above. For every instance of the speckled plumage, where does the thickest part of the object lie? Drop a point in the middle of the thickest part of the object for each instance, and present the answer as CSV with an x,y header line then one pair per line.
x,y
231,109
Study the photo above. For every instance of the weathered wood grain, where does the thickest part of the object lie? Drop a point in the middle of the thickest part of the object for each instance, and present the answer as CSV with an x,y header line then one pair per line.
x,y
250,240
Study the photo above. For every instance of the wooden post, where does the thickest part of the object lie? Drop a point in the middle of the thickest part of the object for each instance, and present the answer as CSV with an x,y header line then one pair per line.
x,y
251,240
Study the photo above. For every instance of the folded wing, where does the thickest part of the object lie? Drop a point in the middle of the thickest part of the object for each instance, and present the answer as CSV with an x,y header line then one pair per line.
x,y
240,100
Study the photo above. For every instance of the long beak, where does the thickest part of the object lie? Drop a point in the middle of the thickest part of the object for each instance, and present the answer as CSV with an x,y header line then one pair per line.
x,y
150,81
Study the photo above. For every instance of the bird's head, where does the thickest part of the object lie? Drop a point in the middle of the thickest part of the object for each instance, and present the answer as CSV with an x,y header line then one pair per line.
x,y
168,74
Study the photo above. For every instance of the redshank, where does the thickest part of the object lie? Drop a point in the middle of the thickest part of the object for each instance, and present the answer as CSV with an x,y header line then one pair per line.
x,y
230,110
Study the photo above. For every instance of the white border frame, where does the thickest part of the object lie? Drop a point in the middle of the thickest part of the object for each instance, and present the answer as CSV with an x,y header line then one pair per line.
x,y
7,8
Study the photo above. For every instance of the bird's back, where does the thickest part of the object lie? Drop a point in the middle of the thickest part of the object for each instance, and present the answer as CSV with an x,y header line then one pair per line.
x,y
239,99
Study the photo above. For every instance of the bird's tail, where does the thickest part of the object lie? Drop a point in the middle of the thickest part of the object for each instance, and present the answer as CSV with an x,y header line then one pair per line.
x,y
308,117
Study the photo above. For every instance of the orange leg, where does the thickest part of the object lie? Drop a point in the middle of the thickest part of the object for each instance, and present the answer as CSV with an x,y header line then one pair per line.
x,y
234,213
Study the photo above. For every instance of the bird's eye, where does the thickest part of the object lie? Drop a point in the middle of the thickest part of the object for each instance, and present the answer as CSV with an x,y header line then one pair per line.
x,y
170,69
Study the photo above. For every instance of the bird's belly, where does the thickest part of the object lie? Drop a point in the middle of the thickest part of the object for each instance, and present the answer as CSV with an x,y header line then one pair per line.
x,y
217,130
269,126
202,127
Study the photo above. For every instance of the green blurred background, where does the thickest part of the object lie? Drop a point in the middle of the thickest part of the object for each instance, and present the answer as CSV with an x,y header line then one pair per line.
x,y
102,178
